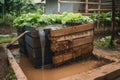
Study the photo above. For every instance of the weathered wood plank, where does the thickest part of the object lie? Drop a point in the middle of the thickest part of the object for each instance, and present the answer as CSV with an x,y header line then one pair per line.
x,y
71,42
18,71
106,55
58,46
70,30
76,52
73,36
106,72
59,59
87,49
81,41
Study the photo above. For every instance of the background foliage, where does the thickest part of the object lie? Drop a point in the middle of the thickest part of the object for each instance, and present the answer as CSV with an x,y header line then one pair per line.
x,y
9,9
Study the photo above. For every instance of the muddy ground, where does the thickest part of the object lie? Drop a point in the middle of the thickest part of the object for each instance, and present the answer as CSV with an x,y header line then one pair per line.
x,y
7,29
4,68
67,70
59,72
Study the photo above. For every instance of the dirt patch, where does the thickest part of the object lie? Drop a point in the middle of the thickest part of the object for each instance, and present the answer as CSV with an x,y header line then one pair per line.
x,y
59,72
4,69
7,29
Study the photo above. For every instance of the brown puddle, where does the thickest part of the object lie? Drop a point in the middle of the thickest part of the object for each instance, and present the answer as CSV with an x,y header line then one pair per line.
x,y
59,72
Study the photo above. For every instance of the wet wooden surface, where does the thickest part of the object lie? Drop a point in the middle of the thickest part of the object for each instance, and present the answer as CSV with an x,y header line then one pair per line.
x,y
18,71
66,43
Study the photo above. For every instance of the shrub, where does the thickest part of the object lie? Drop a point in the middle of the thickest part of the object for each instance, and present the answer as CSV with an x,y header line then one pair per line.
x,y
104,43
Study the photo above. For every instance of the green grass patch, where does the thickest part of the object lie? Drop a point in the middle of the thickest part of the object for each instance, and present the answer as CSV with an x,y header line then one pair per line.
x,y
12,74
6,39
104,43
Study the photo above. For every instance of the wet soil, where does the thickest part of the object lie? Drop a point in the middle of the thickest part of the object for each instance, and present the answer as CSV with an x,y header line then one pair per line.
x,y
4,68
7,29
59,72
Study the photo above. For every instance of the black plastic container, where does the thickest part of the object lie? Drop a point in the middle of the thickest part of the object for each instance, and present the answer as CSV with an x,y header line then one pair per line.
x,y
32,42
21,42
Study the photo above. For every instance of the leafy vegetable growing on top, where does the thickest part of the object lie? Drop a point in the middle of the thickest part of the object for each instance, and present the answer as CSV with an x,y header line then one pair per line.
x,y
47,19
75,18
26,20
71,18
35,19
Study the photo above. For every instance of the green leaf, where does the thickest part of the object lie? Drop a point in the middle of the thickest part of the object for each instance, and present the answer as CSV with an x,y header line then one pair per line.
x,y
2,1
37,19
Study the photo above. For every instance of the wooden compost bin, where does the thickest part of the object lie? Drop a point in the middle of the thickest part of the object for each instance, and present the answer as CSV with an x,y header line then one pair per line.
x,y
71,42
61,45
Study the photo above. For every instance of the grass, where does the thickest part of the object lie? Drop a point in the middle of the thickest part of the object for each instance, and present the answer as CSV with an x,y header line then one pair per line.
x,y
104,43
12,74
6,39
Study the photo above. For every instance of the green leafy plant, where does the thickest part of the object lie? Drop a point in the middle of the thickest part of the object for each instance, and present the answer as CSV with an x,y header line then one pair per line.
x,y
20,6
75,18
9,18
105,19
36,19
117,18
47,19
26,20
10,9
12,74
105,16
104,42
94,16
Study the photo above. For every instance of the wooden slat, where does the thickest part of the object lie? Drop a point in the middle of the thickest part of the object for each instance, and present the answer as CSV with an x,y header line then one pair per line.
x,y
99,9
73,36
59,59
87,10
77,42
99,6
86,6
106,55
78,51
67,56
86,49
79,2
70,30
18,71
82,41
83,50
